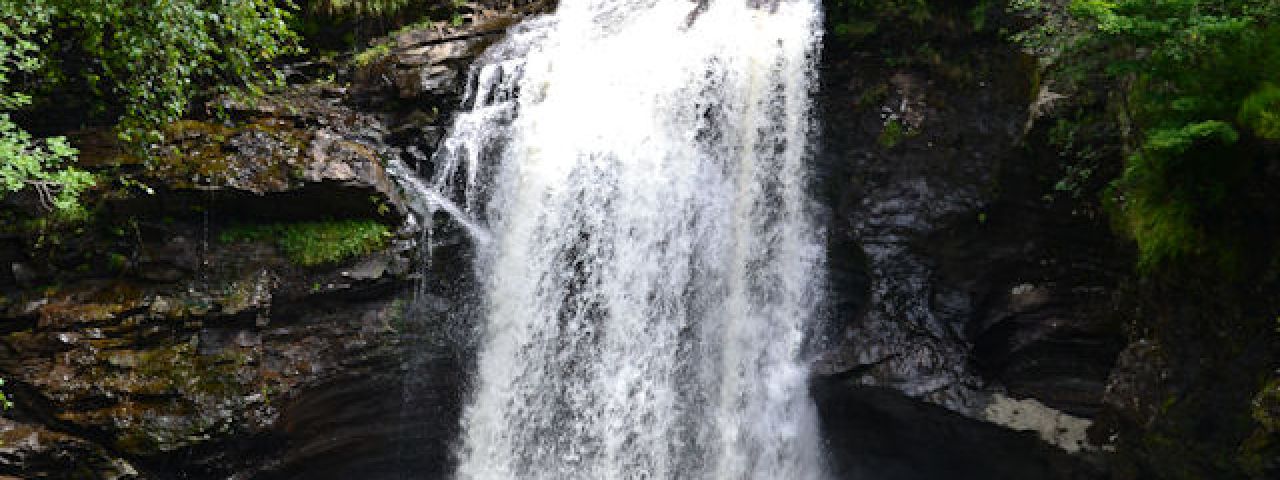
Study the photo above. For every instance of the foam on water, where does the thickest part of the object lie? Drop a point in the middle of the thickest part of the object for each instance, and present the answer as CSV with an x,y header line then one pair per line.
x,y
651,264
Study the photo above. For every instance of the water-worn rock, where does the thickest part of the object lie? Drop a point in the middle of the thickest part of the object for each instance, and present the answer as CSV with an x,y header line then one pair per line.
x,y
294,155
881,434
157,372
428,66
156,342
966,274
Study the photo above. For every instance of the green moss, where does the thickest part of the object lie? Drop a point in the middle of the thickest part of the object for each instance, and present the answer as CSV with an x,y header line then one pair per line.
x,y
200,154
978,15
1182,197
1266,406
361,8
176,371
372,55
854,30
5,403
1260,111
315,243
894,133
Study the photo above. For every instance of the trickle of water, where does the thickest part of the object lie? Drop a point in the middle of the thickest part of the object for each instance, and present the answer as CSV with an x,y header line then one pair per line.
x,y
652,268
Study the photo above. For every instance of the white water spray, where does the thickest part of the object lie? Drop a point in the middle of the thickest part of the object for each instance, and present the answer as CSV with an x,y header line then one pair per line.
x,y
653,270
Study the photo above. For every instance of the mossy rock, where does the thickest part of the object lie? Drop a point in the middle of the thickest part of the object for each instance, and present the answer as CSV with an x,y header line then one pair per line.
x,y
316,243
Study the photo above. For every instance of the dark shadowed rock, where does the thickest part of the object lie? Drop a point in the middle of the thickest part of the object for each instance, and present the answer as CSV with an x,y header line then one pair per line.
x,y
956,271
878,433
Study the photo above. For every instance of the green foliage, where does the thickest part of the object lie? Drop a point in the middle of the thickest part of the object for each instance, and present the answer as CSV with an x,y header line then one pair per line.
x,y
360,7
26,162
149,58
1260,112
892,134
1198,79
152,56
336,26
144,60
19,33
315,243
372,54
978,15
4,399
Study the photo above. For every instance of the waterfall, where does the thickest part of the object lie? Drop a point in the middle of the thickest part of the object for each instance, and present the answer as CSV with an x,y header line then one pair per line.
x,y
650,263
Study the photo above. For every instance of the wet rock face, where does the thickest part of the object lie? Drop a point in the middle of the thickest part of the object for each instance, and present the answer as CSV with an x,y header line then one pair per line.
x,y
303,149
417,77
879,433
150,344
47,454
202,357
915,155
424,64
1193,396
967,272
158,375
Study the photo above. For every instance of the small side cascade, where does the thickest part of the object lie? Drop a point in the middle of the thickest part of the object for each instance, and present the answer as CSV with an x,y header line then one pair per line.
x,y
455,184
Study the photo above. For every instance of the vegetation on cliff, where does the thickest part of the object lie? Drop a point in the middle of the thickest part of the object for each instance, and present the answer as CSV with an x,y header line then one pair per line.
x,y
1163,116
315,243
1187,91
26,162
135,65
1199,103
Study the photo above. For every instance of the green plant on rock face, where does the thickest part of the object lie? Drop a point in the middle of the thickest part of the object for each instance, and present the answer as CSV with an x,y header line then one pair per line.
x,y
978,15
1260,112
1202,83
4,399
315,243
40,166
1198,89
154,54
147,59
372,55
27,162
360,7
144,61
873,96
894,132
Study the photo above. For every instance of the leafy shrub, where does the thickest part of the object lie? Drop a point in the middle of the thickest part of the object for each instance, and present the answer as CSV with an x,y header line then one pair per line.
x,y
26,162
151,57
1260,112
5,403
144,61
1197,78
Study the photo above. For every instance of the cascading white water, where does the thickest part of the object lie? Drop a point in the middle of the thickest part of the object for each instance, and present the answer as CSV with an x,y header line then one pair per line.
x,y
653,269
